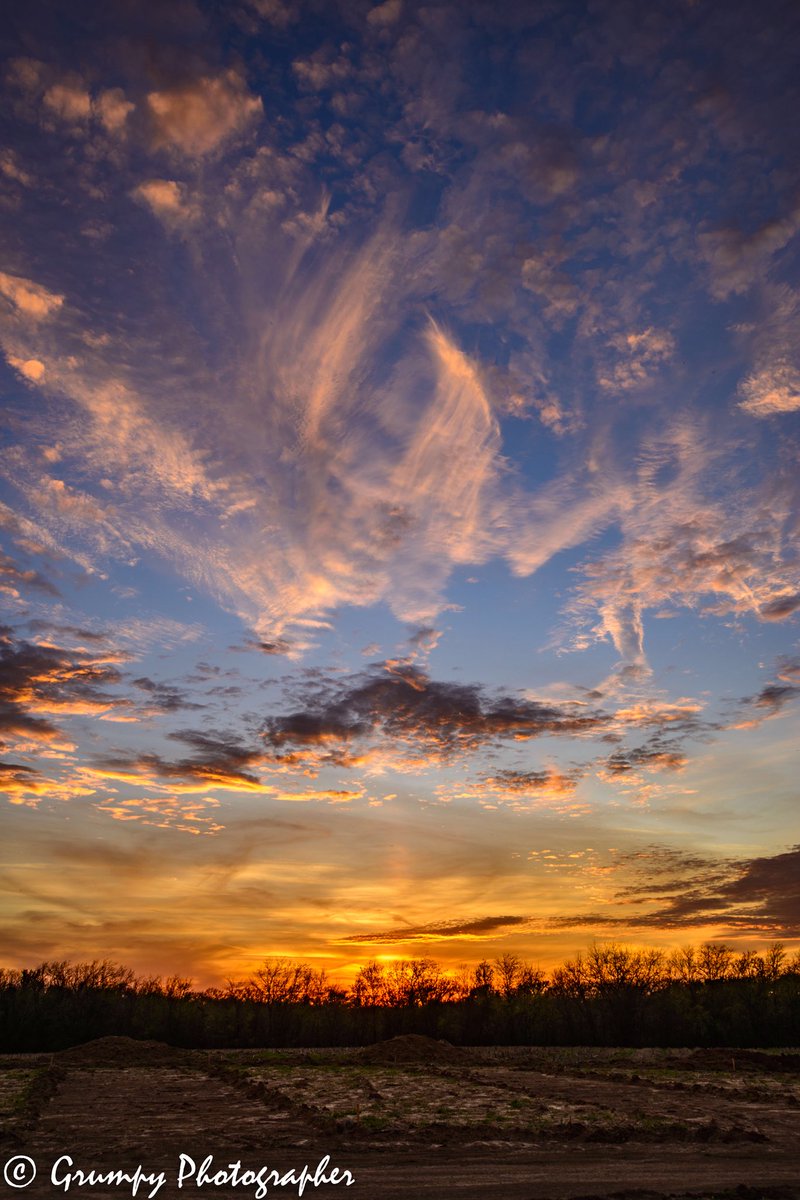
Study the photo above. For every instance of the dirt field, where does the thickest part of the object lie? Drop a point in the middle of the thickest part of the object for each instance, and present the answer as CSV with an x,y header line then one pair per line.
x,y
407,1118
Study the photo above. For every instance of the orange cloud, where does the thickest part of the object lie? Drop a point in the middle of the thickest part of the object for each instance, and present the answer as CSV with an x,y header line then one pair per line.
x,y
640,357
69,101
167,812
112,109
21,784
168,201
772,390
29,298
38,678
195,118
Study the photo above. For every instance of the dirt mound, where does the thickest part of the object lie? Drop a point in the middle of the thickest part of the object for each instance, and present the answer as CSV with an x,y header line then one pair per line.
x,y
744,1060
411,1048
123,1052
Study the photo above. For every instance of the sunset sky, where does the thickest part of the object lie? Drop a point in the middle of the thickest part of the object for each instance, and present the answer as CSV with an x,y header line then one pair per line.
x,y
399,480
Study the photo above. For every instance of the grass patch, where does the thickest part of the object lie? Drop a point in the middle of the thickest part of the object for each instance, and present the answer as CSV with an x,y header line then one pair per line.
x,y
23,1095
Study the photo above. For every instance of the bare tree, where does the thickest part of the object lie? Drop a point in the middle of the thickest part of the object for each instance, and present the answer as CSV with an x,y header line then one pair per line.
x,y
715,961
508,968
483,978
369,987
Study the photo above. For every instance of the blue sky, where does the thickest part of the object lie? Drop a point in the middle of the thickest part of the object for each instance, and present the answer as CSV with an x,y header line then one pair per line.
x,y
399,489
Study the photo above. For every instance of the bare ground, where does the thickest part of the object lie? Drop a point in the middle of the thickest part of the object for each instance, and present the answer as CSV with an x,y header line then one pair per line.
x,y
410,1118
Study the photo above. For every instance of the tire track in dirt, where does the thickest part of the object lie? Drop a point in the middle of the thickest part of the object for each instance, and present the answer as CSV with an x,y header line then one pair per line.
x,y
106,1118
116,1105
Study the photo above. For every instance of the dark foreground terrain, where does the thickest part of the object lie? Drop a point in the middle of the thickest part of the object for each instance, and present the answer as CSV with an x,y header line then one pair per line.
x,y
408,1118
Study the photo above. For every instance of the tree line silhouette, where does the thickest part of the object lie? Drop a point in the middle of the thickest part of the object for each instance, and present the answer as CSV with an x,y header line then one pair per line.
x,y
612,994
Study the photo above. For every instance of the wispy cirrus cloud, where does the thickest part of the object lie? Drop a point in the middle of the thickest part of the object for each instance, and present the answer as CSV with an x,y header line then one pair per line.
x,y
683,546
196,816
218,766
386,511
219,763
321,507
772,390
550,790
13,577
472,929
772,699
665,889
758,895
